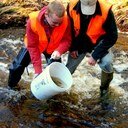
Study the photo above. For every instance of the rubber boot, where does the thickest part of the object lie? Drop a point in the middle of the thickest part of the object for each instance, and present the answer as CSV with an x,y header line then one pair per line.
x,y
106,78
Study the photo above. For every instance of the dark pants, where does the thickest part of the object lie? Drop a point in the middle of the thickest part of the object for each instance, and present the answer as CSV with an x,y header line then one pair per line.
x,y
18,65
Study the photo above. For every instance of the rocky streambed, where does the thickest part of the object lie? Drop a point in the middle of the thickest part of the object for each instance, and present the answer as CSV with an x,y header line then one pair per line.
x,y
79,107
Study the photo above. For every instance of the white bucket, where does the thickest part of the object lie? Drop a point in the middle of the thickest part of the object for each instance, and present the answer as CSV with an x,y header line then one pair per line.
x,y
44,86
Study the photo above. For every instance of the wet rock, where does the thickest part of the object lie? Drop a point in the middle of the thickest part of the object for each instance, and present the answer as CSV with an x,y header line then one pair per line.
x,y
3,76
124,86
124,74
10,95
5,114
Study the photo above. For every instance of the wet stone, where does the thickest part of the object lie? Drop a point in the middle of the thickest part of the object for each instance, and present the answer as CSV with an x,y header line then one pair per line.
x,y
124,86
5,114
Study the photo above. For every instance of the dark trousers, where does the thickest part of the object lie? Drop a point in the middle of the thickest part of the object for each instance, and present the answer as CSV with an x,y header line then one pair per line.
x,y
18,65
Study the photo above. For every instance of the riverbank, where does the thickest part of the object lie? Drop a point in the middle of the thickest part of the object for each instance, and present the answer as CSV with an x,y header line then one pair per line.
x,y
15,12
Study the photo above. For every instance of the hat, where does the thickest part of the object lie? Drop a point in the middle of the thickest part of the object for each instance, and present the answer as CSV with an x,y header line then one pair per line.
x,y
88,7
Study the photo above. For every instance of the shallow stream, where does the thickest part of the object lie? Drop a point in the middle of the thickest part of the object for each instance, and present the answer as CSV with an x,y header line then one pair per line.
x,y
78,108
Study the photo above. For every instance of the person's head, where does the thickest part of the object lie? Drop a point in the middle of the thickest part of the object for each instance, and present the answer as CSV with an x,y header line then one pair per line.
x,y
55,13
88,7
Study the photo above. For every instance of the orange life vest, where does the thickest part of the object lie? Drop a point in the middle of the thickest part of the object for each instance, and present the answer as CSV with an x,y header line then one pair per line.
x,y
95,29
55,38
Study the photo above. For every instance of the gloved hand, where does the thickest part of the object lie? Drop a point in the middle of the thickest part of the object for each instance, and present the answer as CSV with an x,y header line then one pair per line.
x,y
55,55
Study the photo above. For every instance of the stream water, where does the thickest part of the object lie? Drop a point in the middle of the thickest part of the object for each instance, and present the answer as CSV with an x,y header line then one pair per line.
x,y
78,108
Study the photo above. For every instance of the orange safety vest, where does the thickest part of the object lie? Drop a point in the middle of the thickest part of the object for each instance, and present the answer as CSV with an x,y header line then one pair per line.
x,y
55,38
95,29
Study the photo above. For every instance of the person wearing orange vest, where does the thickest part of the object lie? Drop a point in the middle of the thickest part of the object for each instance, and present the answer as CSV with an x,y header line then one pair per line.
x,y
48,32
94,31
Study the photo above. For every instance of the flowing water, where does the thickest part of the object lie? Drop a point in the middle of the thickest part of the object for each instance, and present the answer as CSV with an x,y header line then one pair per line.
x,y
80,107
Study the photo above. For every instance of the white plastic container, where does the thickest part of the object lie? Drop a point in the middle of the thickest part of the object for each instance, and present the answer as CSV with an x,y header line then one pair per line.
x,y
55,79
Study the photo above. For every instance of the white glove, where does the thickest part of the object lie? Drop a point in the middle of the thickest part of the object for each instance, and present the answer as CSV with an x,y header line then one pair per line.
x,y
55,55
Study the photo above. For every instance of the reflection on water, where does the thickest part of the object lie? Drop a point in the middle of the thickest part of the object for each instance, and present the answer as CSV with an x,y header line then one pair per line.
x,y
78,108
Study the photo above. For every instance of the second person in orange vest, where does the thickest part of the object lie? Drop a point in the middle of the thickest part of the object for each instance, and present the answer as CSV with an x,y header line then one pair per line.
x,y
47,32
94,31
